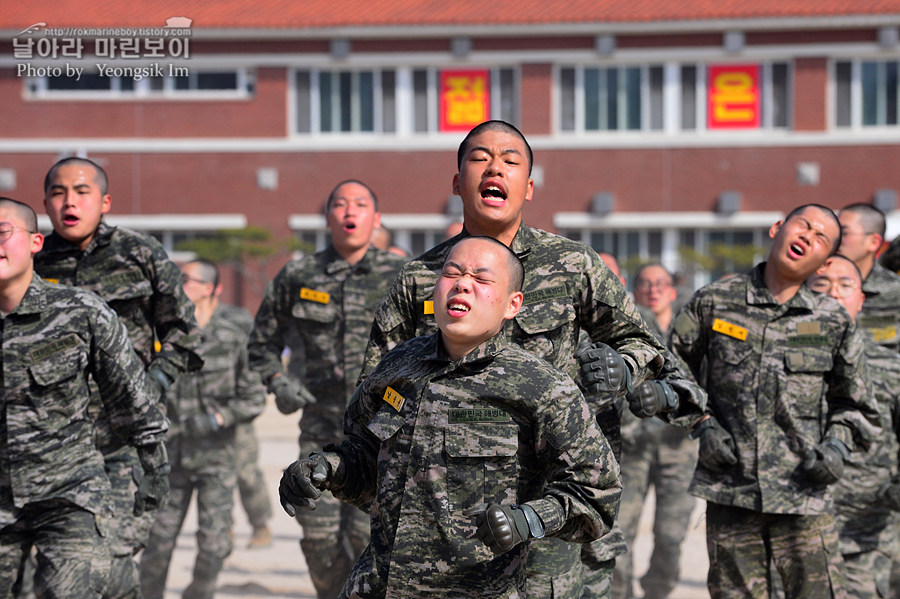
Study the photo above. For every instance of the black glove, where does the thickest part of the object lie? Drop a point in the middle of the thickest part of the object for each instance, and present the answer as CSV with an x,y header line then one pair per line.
x,y
302,482
159,380
603,370
290,396
889,493
824,463
153,490
201,424
651,398
716,445
502,527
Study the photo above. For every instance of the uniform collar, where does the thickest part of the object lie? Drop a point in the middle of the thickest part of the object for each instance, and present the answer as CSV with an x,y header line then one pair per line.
x,y
485,352
102,237
759,294
334,263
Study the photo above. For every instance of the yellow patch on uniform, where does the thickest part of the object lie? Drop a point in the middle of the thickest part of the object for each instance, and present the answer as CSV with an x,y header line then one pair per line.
x,y
393,398
883,334
428,307
320,297
732,330
157,347
809,328
54,281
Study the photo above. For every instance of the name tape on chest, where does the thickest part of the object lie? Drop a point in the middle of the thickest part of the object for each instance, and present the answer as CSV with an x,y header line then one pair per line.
x,y
732,330
394,399
320,297
45,350
466,415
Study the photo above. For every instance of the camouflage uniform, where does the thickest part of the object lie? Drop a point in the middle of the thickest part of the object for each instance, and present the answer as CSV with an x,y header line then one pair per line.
x,y
204,460
567,287
133,273
880,314
54,493
663,456
251,483
430,439
321,307
867,528
781,378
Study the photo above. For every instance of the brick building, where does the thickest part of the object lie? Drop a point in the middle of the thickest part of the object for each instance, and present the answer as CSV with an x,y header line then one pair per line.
x,y
661,129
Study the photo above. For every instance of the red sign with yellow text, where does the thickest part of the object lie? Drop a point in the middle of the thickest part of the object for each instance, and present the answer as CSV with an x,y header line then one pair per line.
x,y
733,97
465,99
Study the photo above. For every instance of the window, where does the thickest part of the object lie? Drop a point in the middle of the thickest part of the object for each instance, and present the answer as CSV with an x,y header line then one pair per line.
x,y
146,82
866,93
633,98
373,101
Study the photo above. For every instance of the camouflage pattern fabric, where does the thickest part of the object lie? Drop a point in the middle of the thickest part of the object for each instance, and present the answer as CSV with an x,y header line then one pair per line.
x,y
133,274
880,315
252,488
204,460
665,457
321,307
73,549
567,288
780,378
868,528
54,340
802,549
429,441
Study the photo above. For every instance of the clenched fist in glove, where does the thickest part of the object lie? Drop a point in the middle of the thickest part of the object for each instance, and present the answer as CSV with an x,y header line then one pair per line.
x,y
153,490
502,527
824,463
290,396
716,445
651,398
302,483
603,370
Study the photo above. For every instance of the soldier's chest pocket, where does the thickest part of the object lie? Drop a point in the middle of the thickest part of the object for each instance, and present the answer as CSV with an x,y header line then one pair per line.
x,y
316,314
58,385
731,360
385,424
481,463
544,328
130,286
805,370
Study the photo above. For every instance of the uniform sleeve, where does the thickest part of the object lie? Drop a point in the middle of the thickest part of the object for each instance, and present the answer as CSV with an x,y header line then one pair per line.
x,y
691,396
688,340
122,382
273,320
356,481
173,319
608,315
581,496
395,322
249,394
853,415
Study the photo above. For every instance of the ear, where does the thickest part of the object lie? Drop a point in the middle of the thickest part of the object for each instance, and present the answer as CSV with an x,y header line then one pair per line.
x,y
874,243
377,221
774,229
37,242
105,204
513,305
455,185
529,192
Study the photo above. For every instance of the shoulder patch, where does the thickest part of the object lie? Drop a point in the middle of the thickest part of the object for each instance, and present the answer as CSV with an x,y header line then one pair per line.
x,y
684,325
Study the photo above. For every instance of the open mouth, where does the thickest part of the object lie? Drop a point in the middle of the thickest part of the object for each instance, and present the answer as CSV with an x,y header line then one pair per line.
x,y
457,308
798,249
349,227
70,220
493,193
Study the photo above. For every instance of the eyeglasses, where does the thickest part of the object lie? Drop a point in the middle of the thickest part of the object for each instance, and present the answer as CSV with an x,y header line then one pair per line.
x,y
648,285
7,232
844,287
185,278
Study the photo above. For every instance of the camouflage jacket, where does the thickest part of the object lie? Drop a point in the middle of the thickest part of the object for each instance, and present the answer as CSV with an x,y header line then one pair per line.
x,y
864,522
51,342
567,287
880,315
133,273
321,307
225,385
780,378
428,439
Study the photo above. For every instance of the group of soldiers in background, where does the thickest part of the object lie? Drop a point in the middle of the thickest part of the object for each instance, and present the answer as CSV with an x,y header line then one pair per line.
x,y
787,393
